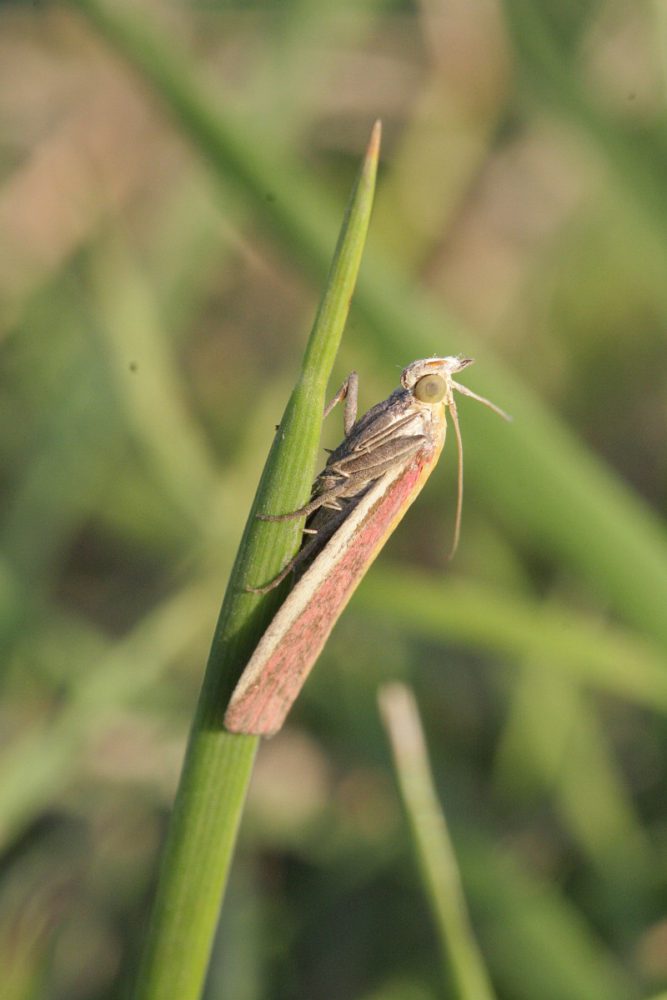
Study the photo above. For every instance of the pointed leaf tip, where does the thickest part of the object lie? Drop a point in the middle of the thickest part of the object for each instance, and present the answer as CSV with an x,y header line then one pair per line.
x,y
373,150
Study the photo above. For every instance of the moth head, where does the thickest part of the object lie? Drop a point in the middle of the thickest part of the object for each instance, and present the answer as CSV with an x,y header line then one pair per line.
x,y
429,380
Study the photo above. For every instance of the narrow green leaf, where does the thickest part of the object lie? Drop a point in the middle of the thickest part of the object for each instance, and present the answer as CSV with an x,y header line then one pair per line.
x,y
435,852
480,617
535,940
218,765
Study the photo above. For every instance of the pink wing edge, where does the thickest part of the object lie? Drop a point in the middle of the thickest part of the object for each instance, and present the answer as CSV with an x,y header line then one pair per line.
x,y
286,653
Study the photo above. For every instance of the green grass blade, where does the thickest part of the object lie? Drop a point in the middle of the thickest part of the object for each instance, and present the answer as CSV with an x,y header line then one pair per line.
x,y
552,71
437,861
537,942
218,765
481,617
553,745
536,470
239,158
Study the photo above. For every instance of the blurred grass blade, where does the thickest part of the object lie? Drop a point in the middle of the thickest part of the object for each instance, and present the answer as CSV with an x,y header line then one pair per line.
x,y
607,527
552,744
154,405
538,943
478,616
218,765
435,852
549,61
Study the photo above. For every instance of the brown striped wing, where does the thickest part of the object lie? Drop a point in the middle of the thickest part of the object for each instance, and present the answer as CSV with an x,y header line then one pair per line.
x,y
293,641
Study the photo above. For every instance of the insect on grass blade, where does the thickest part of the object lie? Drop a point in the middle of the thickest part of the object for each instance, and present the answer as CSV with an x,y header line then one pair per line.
x,y
367,485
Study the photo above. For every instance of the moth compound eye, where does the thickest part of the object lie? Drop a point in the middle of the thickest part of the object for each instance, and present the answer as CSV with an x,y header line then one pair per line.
x,y
430,389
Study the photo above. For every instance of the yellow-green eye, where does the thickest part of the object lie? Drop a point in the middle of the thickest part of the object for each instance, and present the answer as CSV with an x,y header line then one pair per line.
x,y
430,389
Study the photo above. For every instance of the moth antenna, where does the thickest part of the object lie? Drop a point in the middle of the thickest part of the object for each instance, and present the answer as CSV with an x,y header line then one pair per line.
x,y
465,391
459,492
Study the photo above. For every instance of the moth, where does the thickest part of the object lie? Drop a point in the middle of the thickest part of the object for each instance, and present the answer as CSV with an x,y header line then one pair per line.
x,y
365,488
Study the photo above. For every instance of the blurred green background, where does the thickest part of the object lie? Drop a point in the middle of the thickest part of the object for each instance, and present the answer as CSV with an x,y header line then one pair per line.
x,y
156,290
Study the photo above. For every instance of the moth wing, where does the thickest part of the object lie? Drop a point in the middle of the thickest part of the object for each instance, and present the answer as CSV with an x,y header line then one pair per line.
x,y
293,641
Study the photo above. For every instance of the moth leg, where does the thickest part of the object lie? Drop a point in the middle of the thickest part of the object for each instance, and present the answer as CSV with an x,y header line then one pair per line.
x,y
368,469
357,471
323,534
285,571
364,469
292,514
322,499
349,391
383,434
385,456
277,580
